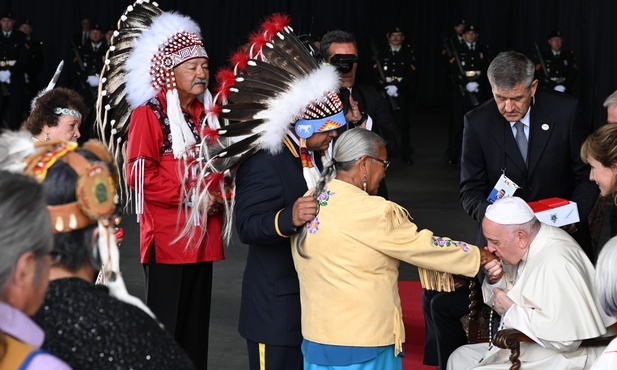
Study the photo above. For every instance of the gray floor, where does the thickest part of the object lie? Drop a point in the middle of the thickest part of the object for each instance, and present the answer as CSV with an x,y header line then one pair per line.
x,y
428,189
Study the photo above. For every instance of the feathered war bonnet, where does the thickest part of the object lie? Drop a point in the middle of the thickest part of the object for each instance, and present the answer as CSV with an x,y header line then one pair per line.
x,y
147,46
273,85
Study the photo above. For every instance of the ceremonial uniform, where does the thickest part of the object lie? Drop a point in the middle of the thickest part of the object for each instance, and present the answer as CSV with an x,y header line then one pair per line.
x,y
86,70
266,188
561,69
468,65
398,67
12,60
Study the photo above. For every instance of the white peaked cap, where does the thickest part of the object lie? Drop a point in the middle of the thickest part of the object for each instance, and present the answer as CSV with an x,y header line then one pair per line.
x,y
509,211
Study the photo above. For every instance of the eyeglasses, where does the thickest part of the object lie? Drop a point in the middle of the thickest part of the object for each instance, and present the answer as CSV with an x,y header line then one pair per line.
x,y
385,163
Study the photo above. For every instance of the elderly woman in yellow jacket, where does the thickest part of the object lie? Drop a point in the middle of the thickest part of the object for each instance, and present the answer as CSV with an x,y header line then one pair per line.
x,y
347,260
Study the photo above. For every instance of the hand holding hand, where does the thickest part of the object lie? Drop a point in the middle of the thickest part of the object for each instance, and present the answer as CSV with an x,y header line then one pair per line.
x,y
493,270
215,204
501,301
304,210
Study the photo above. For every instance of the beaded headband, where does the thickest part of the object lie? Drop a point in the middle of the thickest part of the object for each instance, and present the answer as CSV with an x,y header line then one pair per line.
x,y
178,48
66,111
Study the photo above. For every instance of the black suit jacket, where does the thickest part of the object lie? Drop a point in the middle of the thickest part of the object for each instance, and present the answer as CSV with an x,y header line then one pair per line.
x,y
554,166
270,304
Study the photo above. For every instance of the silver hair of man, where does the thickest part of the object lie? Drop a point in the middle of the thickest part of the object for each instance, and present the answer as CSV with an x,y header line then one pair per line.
x,y
509,69
24,224
348,149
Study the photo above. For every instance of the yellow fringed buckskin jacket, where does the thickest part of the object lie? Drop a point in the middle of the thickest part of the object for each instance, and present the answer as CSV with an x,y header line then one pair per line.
x,y
348,283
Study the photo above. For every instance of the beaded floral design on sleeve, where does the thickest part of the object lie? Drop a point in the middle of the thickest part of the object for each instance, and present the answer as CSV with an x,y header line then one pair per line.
x,y
322,201
445,242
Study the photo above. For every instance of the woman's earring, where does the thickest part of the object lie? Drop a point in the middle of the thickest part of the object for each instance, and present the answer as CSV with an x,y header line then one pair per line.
x,y
47,136
364,182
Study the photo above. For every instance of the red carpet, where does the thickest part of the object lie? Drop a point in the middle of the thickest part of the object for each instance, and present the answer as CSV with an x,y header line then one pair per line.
x,y
410,292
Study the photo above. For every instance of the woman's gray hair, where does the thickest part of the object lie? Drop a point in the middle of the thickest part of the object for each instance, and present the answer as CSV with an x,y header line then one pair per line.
x,y
606,277
348,149
24,223
509,69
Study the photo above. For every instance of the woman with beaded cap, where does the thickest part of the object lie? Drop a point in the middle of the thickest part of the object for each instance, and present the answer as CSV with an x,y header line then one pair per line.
x,y
89,326
347,262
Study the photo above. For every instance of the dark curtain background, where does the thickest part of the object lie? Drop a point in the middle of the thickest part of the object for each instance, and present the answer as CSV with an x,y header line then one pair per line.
x,y
588,27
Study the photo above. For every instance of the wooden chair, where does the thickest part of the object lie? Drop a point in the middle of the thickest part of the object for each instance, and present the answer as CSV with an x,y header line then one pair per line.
x,y
477,328
476,323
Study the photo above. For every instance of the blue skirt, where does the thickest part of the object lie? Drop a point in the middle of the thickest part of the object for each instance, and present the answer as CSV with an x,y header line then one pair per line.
x,y
385,360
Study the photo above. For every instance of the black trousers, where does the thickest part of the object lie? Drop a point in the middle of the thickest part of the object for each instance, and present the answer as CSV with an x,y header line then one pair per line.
x,y
442,318
179,296
274,357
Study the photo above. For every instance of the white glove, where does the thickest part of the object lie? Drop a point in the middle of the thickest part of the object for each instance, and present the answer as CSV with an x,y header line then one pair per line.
x,y
392,90
472,86
5,77
93,80
560,88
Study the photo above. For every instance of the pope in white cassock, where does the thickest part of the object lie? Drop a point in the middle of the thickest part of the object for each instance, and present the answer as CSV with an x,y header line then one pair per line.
x,y
545,290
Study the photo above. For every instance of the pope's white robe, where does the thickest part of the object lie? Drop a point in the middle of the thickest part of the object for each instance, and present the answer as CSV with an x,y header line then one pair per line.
x,y
554,304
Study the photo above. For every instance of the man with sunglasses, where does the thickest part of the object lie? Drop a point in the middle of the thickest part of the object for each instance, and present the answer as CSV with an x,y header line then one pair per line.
x,y
365,107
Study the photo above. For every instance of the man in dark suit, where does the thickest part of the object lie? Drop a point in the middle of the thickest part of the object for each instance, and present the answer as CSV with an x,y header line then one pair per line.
x,y
269,208
12,60
367,108
534,138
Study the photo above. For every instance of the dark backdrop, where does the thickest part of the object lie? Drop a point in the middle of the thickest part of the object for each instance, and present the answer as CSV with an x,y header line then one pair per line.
x,y
588,27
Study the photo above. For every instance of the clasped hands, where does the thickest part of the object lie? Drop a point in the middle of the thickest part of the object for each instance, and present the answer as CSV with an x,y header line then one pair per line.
x,y
216,201
491,265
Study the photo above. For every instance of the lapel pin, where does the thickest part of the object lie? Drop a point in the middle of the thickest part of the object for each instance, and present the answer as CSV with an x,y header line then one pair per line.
x,y
545,127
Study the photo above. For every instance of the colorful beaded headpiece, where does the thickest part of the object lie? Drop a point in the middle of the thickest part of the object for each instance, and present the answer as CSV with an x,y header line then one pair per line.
x,y
146,47
95,188
176,50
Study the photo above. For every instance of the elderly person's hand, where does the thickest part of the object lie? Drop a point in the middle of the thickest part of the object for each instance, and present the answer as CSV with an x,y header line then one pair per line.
x,y
491,265
304,210
501,301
